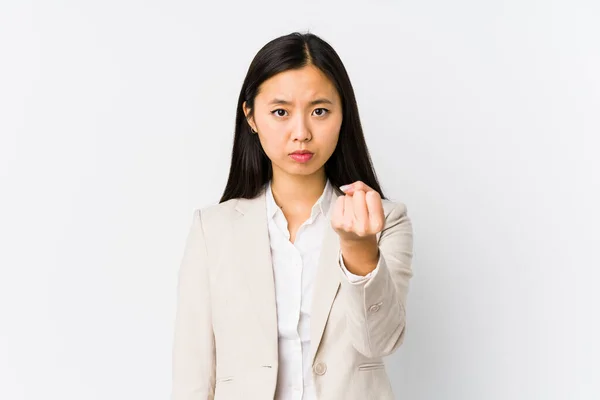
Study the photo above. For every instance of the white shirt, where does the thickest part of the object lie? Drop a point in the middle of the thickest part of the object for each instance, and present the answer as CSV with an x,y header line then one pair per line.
x,y
294,271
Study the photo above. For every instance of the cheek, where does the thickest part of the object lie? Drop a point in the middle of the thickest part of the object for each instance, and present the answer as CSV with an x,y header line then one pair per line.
x,y
273,142
270,123
330,137
271,133
333,127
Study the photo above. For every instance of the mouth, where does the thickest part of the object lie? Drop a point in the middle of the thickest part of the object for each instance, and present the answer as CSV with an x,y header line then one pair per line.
x,y
301,156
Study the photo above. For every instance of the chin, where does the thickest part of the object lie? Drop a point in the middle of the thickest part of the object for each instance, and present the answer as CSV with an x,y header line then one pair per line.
x,y
304,170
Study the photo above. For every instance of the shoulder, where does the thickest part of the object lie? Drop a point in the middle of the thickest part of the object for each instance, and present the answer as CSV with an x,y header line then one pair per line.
x,y
214,221
396,217
216,214
393,209
397,223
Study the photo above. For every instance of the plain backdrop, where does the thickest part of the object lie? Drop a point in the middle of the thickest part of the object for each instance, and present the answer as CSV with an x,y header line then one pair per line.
x,y
116,121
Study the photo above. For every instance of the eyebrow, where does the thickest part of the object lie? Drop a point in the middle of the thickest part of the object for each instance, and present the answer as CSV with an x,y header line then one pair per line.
x,y
312,103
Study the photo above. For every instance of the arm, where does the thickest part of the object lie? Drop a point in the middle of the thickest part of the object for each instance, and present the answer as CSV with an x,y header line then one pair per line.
x,y
375,314
193,356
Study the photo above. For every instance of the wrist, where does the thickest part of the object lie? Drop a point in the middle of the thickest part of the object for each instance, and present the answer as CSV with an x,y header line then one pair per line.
x,y
360,256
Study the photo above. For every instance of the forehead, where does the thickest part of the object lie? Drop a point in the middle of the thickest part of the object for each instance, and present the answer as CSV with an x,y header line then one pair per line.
x,y
298,85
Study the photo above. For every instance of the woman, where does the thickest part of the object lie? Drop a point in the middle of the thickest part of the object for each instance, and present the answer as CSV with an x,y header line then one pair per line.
x,y
291,288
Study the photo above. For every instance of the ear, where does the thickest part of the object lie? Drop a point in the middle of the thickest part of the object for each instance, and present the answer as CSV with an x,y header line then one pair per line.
x,y
248,117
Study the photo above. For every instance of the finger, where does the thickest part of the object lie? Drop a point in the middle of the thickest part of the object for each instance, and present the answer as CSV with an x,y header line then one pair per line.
x,y
337,216
353,187
375,210
348,213
361,213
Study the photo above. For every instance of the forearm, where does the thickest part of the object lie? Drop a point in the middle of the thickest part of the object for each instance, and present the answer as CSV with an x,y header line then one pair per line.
x,y
376,314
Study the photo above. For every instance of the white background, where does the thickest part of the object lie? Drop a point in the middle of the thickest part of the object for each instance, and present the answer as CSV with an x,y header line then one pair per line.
x,y
116,121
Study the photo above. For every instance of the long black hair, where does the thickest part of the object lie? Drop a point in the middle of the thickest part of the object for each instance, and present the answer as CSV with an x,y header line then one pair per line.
x,y
251,169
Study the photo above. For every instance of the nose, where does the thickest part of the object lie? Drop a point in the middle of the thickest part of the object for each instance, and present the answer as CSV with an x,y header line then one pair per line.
x,y
301,131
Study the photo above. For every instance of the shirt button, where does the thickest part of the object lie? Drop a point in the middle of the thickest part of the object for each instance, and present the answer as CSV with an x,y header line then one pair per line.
x,y
320,368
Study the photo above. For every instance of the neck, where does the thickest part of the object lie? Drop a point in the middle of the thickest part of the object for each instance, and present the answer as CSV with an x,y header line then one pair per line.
x,y
296,193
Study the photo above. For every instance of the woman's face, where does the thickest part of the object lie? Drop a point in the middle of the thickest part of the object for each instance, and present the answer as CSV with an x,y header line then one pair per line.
x,y
297,110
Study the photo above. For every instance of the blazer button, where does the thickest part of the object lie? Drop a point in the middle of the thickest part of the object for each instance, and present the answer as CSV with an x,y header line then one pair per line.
x,y
320,368
375,307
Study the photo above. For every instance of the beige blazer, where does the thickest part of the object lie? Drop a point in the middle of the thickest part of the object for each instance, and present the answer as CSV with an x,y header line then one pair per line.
x,y
225,337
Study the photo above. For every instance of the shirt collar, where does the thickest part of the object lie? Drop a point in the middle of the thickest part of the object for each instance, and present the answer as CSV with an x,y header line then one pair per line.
x,y
322,205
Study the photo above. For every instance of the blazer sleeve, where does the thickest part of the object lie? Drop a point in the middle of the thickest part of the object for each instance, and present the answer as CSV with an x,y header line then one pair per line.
x,y
376,307
193,358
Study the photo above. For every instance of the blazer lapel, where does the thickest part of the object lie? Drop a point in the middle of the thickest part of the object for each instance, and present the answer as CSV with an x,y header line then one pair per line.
x,y
327,283
251,236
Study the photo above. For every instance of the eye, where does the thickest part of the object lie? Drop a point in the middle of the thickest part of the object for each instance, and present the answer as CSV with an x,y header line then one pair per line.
x,y
280,112
322,113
